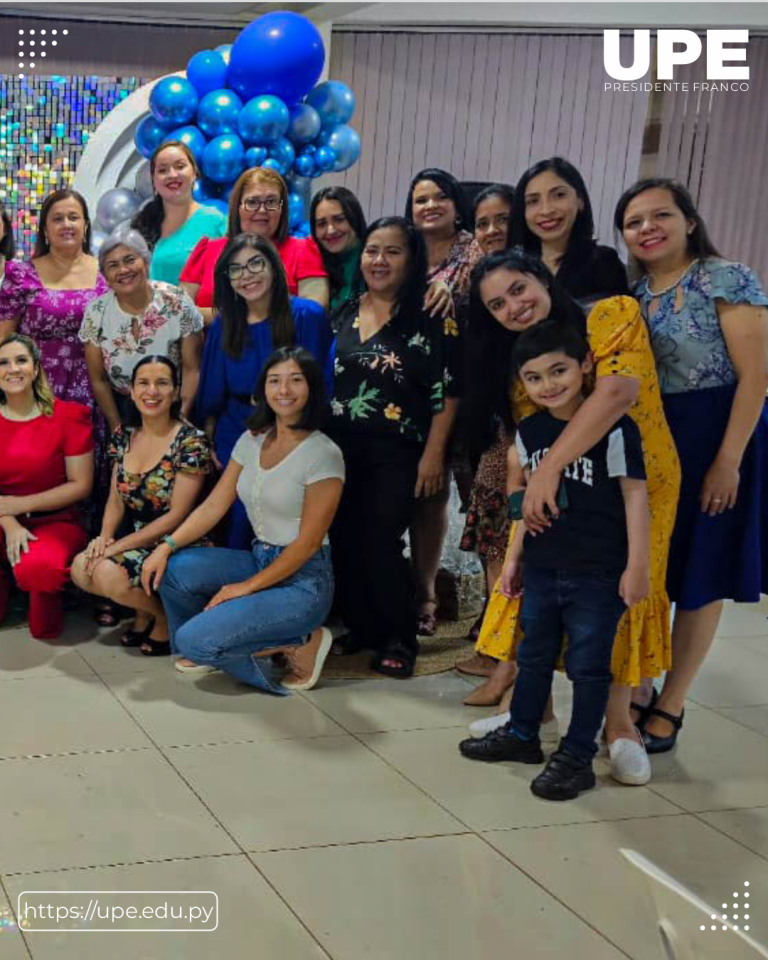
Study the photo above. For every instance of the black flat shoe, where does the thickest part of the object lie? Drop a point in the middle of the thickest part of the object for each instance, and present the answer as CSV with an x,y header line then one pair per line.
x,y
502,745
563,778
135,638
645,711
654,744
155,648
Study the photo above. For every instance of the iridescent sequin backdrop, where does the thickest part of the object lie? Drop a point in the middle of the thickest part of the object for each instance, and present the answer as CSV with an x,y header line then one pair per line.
x,y
45,123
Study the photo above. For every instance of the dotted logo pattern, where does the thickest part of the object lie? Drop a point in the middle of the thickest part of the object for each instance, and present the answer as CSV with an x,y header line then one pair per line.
x,y
32,44
743,914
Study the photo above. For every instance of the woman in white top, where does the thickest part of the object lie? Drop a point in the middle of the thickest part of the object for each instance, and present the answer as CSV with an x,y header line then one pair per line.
x,y
228,609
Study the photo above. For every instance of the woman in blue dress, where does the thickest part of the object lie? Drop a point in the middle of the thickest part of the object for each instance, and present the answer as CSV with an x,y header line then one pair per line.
x,y
709,334
256,316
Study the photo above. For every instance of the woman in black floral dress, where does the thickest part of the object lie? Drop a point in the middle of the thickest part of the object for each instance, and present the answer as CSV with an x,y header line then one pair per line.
x,y
395,398
159,467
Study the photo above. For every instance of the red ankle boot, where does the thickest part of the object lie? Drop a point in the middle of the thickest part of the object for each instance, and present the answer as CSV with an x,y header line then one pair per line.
x,y
46,615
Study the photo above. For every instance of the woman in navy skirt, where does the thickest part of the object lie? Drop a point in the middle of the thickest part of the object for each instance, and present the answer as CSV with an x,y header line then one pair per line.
x,y
709,333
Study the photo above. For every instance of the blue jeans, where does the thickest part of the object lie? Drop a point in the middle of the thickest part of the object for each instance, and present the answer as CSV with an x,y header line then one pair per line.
x,y
585,605
227,636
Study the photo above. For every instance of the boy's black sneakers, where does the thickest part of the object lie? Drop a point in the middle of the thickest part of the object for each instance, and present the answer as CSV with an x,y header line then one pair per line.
x,y
563,778
501,744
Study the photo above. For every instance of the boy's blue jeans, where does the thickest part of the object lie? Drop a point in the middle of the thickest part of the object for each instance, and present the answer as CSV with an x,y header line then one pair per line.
x,y
228,635
585,605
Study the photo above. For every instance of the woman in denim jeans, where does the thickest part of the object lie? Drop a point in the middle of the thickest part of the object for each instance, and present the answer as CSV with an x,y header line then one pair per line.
x,y
227,609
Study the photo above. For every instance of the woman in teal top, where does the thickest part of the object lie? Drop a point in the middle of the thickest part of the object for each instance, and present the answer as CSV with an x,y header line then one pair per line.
x,y
173,222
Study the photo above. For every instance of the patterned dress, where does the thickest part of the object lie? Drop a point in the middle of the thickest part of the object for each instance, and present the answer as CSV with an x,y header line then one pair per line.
x,y
147,496
643,647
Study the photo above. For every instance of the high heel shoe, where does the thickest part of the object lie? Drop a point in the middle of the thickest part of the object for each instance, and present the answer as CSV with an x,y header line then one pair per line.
x,y
655,744
645,711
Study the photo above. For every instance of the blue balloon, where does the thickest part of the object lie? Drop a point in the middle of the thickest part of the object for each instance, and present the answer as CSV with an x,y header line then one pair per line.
x,y
283,152
173,101
334,102
224,158
149,134
207,71
280,53
304,164
255,156
221,205
345,143
305,123
205,190
325,158
218,111
263,120
295,210
225,49
299,184
271,164
192,137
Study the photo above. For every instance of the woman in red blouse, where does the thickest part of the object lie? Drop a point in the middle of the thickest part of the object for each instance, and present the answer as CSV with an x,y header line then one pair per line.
x,y
258,204
46,469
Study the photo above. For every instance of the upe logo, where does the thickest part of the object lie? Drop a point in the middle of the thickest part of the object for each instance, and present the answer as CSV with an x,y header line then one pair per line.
x,y
668,57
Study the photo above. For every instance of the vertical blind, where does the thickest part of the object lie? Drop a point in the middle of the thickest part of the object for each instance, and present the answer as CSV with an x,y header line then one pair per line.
x,y
485,106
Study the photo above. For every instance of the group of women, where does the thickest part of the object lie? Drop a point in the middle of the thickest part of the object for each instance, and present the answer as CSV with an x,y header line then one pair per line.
x,y
190,318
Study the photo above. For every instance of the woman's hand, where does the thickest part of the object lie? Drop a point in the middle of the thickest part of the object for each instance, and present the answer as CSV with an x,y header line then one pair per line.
x,y
11,506
95,551
230,592
511,579
720,487
17,539
540,502
635,584
438,301
431,475
153,568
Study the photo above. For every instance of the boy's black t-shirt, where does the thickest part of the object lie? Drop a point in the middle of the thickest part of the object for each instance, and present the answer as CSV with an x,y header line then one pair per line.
x,y
591,533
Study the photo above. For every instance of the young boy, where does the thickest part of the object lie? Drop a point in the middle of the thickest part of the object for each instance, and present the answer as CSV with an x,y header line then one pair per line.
x,y
579,575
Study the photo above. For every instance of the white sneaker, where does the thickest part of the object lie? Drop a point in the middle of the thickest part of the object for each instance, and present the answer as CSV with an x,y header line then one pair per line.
x,y
629,762
194,669
549,732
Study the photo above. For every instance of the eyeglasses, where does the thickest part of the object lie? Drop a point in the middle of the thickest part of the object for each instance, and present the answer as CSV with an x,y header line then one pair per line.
x,y
252,204
254,266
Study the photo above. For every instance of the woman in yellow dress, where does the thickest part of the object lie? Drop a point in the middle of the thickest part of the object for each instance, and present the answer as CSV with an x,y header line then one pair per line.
x,y
510,292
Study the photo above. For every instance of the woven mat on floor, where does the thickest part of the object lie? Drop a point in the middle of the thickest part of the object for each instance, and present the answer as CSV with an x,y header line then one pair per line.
x,y
438,654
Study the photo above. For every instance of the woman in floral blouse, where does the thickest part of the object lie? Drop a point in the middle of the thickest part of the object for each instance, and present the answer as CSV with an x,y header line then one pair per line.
x,y
395,399
159,470
138,317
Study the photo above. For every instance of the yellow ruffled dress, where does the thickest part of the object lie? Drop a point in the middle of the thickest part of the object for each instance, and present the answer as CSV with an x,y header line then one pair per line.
x,y
643,646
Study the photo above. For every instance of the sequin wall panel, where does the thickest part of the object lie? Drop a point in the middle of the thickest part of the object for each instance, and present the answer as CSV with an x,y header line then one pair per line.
x,y
45,123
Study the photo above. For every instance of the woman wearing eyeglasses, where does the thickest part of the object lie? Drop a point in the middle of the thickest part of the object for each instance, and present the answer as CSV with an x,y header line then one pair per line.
x,y
256,316
258,205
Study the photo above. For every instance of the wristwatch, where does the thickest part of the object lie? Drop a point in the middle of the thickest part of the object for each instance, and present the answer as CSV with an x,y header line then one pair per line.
x,y
171,543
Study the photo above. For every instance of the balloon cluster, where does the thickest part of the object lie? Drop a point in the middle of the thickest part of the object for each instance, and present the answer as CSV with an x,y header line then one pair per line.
x,y
253,103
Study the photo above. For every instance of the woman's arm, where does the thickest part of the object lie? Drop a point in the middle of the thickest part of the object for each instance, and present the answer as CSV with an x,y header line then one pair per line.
x,y
78,485
192,290
745,329
432,463
317,289
114,511
7,327
191,351
511,580
102,388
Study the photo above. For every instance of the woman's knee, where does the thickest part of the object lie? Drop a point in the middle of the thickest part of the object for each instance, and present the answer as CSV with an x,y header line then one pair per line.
x,y
109,579
78,573
40,573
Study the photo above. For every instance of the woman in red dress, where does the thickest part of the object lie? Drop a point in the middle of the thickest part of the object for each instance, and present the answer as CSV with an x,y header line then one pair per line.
x,y
46,470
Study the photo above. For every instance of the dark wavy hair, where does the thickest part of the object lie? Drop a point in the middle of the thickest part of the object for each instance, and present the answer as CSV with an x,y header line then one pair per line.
x,y
149,220
352,210
8,243
410,300
583,230
133,417
489,374
313,414
233,309
699,243
450,187
42,246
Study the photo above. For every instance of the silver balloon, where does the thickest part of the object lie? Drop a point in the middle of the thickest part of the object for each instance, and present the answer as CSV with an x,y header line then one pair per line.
x,y
115,206
122,228
97,238
143,183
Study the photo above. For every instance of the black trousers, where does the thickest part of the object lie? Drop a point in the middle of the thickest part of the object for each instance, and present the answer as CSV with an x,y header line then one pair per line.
x,y
374,587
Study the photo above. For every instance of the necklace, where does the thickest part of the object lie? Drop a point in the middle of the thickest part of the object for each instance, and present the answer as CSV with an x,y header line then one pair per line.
x,y
660,293
10,415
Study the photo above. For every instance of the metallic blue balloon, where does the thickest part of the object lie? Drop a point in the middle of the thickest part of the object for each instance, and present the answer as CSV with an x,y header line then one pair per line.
x,y
205,190
218,111
271,164
221,205
334,102
149,134
299,184
305,123
207,71
173,101
280,53
345,143
224,158
192,137
296,212
225,49
304,164
283,152
255,157
325,158
263,120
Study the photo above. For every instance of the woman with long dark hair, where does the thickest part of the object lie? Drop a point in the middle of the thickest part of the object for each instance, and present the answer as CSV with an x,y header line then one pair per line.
x,y
338,225
7,241
709,333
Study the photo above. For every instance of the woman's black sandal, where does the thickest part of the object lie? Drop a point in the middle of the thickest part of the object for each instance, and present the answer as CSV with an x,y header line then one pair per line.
x,y
654,744
645,711
347,645
400,652
157,648
135,638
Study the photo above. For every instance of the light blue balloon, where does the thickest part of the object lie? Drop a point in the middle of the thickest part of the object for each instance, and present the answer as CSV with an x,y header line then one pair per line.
x,y
224,158
271,164
296,212
283,152
218,111
263,120
149,134
333,100
305,123
255,156
192,138
325,158
345,143
304,164
173,101
225,49
207,71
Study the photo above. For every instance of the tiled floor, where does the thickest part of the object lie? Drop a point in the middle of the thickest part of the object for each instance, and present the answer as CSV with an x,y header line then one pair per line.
x,y
344,824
